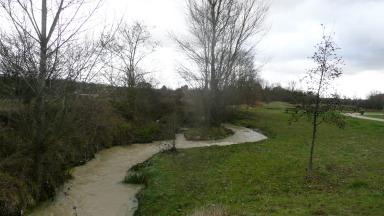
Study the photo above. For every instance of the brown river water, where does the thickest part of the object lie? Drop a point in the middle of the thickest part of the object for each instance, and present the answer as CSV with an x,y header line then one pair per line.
x,y
97,188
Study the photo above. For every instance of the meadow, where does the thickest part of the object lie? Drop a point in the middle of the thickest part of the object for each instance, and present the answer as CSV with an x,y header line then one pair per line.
x,y
379,115
269,177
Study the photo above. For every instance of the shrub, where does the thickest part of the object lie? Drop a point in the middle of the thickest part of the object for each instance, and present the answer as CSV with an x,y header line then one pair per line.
x,y
13,195
75,132
123,134
128,133
73,139
204,133
146,133
140,166
134,178
9,142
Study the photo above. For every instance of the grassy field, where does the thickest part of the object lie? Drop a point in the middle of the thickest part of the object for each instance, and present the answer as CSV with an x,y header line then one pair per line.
x,y
375,116
379,115
268,178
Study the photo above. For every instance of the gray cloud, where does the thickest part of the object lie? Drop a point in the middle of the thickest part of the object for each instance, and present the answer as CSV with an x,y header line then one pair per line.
x,y
294,29
358,27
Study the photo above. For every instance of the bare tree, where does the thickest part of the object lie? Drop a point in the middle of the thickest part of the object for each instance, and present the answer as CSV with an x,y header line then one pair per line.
x,y
292,86
328,67
220,30
131,45
33,51
244,86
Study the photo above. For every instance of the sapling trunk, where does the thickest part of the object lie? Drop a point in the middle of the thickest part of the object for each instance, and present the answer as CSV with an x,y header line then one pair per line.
x,y
314,124
314,132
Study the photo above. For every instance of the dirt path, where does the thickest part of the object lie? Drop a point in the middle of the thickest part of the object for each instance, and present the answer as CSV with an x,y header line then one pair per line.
x,y
97,188
357,115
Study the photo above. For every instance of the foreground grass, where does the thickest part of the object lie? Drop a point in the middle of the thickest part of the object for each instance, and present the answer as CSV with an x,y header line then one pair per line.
x,y
268,178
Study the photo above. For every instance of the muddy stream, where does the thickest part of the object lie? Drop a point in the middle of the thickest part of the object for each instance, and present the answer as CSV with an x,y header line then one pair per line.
x,y
97,188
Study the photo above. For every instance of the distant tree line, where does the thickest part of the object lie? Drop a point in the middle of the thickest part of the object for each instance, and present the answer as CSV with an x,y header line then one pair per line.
x,y
375,101
268,93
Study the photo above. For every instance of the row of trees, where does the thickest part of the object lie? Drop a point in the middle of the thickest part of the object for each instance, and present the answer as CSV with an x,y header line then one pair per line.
x,y
374,101
46,44
47,64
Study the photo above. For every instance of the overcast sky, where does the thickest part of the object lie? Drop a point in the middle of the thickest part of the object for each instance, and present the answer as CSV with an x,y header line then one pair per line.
x,y
293,30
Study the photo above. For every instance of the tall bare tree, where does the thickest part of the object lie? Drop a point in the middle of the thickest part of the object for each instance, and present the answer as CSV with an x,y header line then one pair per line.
x,y
220,30
33,51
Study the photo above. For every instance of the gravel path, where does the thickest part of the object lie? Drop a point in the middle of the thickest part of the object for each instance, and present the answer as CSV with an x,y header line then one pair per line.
x,y
97,188
357,115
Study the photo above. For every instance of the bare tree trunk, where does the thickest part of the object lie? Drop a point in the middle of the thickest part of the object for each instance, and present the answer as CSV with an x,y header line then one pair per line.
x,y
214,107
212,99
40,100
206,105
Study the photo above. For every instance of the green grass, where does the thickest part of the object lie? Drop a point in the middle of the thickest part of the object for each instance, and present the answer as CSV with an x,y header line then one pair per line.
x,y
277,105
205,133
268,178
375,115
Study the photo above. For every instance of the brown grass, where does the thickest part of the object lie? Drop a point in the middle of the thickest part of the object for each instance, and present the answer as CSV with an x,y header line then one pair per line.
x,y
214,210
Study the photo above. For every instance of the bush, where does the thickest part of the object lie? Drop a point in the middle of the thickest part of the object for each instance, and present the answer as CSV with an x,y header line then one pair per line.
x,y
9,142
140,166
128,133
72,139
14,195
135,178
204,133
75,132
123,134
146,133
